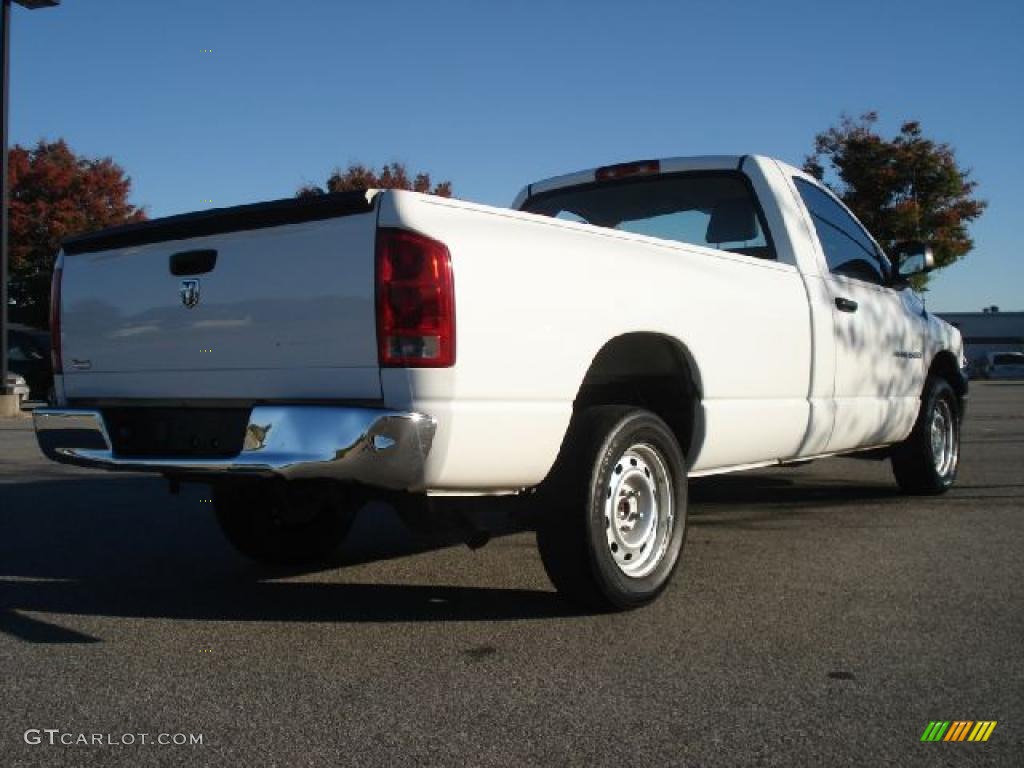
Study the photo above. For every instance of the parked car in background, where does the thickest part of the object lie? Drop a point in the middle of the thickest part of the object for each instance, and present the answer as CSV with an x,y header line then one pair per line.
x,y
1003,365
28,355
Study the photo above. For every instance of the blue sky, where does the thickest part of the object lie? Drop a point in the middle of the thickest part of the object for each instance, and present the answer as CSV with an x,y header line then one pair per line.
x,y
493,95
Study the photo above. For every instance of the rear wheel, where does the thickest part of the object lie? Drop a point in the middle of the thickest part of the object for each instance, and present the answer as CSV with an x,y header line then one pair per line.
x,y
615,513
927,461
286,523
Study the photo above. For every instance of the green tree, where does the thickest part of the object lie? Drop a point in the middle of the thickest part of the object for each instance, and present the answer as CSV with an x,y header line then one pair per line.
x,y
55,194
905,188
391,176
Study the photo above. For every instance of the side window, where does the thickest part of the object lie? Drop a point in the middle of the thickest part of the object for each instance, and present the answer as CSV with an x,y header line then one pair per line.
x,y
848,249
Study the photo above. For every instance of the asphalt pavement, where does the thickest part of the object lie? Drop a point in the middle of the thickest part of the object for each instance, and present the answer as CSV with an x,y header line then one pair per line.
x,y
818,618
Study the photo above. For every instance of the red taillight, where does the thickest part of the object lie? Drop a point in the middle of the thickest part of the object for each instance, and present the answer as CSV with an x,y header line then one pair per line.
x,y
415,301
623,170
55,357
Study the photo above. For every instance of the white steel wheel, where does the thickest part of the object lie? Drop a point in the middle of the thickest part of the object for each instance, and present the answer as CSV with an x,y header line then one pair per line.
x,y
927,461
614,518
943,438
638,511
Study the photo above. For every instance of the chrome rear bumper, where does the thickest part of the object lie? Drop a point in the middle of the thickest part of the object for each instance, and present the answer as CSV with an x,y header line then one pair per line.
x,y
387,449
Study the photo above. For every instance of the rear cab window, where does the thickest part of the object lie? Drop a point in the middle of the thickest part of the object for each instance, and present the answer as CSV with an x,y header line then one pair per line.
x,y
713,209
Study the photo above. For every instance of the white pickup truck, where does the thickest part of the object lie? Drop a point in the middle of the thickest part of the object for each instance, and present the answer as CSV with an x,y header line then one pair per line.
x,y
615,332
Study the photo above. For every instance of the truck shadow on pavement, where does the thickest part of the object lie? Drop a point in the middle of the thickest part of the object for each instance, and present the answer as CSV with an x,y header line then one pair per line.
x,y
121,547
749,499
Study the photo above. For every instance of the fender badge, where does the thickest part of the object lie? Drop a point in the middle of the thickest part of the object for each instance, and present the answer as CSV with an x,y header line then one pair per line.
x,y
190,292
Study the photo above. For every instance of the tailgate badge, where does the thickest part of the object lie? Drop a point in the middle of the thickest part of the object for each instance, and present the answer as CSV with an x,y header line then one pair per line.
x,y
190,292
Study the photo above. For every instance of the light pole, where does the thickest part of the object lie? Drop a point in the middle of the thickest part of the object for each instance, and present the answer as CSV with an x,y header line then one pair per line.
x,y
8,402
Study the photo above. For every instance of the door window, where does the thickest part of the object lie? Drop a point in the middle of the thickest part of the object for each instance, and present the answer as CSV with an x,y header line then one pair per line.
x,y
848,249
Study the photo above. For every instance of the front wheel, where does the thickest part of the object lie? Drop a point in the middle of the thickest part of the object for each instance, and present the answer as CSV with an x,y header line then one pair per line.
x,y
926,462
615,518
285,523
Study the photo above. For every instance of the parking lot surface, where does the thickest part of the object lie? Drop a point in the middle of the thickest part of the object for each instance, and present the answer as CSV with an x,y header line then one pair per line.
x,y
818,618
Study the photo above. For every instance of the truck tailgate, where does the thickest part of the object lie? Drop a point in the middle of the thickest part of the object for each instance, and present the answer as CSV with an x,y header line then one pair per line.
x,y
266,302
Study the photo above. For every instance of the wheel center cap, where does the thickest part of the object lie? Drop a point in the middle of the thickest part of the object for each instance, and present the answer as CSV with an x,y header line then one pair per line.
x,y
628,510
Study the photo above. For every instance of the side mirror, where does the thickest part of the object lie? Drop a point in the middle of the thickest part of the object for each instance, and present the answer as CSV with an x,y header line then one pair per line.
x,y
913,258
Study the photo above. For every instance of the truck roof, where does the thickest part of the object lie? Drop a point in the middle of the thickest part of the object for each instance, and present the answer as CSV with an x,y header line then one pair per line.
x,y
637,167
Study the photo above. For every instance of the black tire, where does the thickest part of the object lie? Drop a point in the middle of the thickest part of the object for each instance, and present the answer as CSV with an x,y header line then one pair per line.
x,y
924,467
286,523
575,537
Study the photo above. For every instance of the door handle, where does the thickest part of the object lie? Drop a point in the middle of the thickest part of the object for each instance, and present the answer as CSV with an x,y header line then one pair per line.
x,y
845,305
193,262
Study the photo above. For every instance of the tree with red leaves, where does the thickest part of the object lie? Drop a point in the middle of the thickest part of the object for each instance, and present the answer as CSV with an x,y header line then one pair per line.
x,y
55,194
905,189
391,176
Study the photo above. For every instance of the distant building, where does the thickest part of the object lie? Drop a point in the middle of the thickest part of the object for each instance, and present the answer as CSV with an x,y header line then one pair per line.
x,y
988,331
